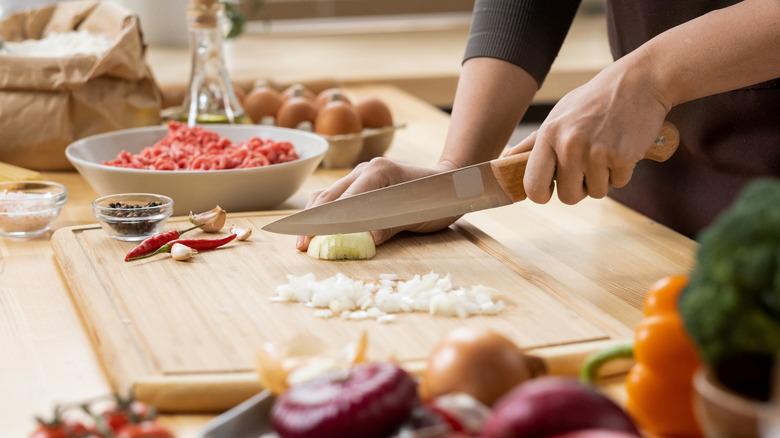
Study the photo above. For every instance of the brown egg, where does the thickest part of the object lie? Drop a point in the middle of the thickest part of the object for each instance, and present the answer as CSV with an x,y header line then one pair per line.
x,y
373,113
295,110
324,97
240,93
478,362
262,101
292,89
337,117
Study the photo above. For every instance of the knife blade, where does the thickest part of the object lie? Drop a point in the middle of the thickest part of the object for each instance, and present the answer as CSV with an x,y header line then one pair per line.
x,y
449,194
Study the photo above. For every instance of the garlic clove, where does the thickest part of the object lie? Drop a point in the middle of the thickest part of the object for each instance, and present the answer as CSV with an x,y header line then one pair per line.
x,y
182,252
212,220
240,232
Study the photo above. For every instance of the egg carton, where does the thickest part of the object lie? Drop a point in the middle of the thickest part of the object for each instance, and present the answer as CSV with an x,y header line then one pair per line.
x,y
348,150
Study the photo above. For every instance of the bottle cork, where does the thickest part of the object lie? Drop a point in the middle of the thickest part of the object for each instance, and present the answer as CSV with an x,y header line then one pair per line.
x,y
204,14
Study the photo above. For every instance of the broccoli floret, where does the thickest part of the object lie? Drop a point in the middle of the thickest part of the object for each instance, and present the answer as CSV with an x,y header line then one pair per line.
x,y
731,307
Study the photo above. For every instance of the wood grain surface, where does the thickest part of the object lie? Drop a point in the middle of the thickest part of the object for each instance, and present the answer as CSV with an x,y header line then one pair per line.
x,y
597,257
202,321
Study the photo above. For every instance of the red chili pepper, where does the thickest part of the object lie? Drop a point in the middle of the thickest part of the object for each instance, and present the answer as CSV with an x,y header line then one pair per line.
x,y
196,244
155,242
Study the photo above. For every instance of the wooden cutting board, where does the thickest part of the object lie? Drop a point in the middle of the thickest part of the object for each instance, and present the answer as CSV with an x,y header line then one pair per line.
x,y
183,335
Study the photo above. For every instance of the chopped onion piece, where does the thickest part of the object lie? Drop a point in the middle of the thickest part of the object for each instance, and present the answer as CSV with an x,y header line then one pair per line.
x,y
352,246
352,299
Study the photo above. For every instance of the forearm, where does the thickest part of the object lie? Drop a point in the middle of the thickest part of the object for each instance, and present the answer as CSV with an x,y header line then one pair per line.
x,y
491,98
724,50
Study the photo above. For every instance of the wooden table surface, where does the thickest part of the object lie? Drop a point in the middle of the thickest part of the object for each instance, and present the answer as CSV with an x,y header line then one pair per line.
x,y
47,357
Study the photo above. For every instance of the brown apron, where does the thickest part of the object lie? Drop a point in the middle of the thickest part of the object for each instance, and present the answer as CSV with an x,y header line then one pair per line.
x,y
726,140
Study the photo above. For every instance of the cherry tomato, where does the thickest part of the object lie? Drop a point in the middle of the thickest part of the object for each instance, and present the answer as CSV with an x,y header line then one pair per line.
x,y
125,412
60,429
144,429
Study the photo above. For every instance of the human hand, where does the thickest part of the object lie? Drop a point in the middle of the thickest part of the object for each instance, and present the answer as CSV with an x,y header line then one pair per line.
x,y
594,136
375,174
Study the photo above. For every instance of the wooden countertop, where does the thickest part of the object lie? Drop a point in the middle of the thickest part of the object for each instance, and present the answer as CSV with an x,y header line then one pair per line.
x,y
422,61
47,356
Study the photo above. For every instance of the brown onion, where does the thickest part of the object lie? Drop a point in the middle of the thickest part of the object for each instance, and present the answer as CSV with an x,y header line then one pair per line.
x,y
478,362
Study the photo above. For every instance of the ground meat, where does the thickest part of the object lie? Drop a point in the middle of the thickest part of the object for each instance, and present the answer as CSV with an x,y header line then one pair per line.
x,y
196,148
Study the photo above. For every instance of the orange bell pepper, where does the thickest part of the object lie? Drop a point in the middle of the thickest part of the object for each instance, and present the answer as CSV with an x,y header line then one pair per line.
x,y
660,383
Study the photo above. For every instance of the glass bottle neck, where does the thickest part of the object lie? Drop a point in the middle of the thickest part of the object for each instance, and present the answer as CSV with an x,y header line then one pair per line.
x,y
210,97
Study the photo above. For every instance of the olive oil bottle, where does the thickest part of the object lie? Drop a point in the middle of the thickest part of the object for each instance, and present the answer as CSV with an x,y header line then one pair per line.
x,y
210,97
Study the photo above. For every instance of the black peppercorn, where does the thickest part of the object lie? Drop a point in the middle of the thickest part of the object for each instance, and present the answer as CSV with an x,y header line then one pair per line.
x,y
124,210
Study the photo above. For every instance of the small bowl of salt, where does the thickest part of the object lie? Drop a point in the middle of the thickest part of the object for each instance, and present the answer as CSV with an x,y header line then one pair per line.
x,y
29,208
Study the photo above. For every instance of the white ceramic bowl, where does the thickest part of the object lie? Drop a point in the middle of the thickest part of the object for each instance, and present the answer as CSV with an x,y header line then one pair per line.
x,y
235,190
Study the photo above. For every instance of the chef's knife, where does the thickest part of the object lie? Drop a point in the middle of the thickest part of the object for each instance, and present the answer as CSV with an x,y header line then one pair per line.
x,y
449,194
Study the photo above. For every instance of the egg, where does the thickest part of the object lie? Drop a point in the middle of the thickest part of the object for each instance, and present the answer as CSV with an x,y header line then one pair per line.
x,y
293,90
337,117
373,113
238,90
296,110
262,101
478,362
324,97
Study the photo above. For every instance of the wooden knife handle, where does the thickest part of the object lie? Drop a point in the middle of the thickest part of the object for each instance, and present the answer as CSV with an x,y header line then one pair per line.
x,y
509,170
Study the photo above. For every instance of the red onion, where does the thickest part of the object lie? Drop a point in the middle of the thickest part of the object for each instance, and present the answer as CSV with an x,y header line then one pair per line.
x,y
370,399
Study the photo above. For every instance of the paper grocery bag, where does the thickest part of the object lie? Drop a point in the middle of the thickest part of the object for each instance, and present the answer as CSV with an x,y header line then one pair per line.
x,y
48,102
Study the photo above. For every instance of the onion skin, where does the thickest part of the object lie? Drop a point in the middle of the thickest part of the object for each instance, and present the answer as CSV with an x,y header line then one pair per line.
x,y
367,400
549,405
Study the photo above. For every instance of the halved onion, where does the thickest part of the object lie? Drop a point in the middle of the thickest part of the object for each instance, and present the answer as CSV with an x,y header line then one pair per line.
x,y
352,246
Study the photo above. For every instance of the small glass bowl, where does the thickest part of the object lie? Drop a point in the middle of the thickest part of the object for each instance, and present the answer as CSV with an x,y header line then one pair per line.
x,y
132,216
29,208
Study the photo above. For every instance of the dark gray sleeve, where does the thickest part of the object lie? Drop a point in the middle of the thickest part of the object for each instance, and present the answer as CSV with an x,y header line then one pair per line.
x,y
527,33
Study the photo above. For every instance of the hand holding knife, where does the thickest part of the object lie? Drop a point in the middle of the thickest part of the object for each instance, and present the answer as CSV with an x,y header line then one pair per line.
x,y
482,186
